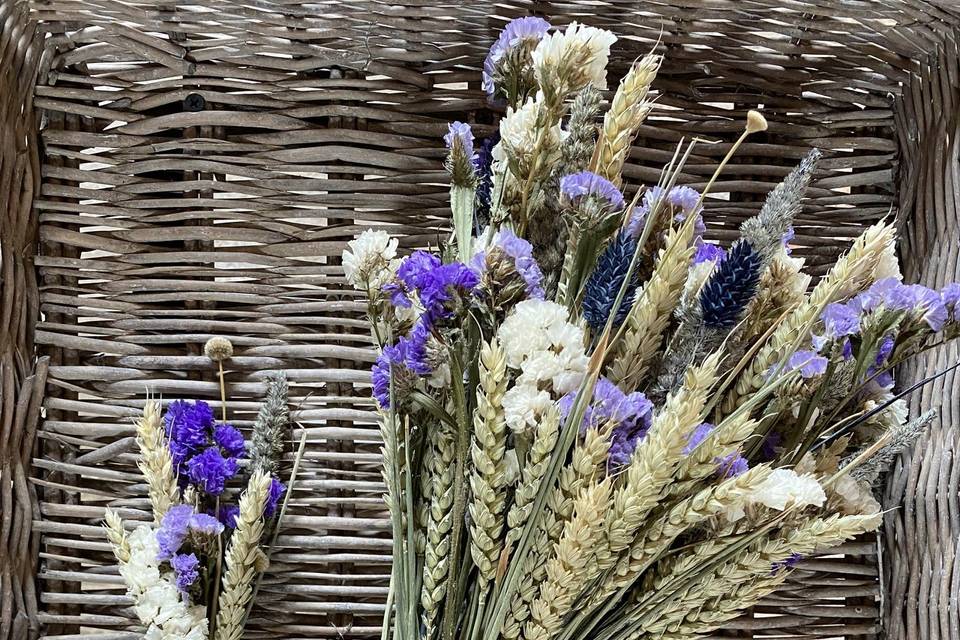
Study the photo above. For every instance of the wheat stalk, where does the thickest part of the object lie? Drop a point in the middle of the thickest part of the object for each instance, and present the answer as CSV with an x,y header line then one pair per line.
x,y
244,558
701,462
852,272
651,312
155,461
628,109
572,564
436,566
116,535
487,481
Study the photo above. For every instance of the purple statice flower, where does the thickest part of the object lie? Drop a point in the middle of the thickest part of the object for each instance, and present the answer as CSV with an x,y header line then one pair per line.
x,y
917,298
173,530
228,515
732,465
840,320
789,563
586,183
277,489
950,296
209,470
529,27
810,363
818,342
707,252
185,568
697,436
440,286
522,253
435,283
408,354
847,349
885,349
460,131
878,294
679,197
230,440
205,524
187,426
630,414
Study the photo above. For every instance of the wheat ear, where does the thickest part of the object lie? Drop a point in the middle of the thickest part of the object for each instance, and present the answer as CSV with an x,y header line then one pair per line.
x,y
571,567
439,525
116,535
867,259
666,613
487,482
666,525
243,559
648,475
651,312
534,468
701,462
587,461
155,462
628,110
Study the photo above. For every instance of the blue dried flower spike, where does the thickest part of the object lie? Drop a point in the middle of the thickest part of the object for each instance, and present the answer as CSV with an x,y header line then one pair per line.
x,y
605,282
731,287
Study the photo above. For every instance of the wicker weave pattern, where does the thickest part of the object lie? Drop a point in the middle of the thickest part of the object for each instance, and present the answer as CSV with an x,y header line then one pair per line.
x,y
201,173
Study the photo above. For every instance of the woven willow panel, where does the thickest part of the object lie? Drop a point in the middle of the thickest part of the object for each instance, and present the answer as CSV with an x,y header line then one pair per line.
x,y
204,164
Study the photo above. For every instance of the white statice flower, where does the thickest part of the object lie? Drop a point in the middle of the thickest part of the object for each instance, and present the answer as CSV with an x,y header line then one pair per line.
x,y
522,138
370,261
576,56
156,599
524,405
531,326
856,496
785,488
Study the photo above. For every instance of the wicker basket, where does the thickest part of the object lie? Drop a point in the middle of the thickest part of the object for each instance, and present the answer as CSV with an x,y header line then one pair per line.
x,y
169,173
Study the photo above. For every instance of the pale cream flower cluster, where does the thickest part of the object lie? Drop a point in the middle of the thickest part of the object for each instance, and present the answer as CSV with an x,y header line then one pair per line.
x,y
157,601
526,133
576,57
370,261
786,488
547,349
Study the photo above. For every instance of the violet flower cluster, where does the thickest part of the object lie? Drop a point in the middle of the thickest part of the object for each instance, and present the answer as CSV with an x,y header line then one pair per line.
x,y
181,531
631,415
529,28
585,184
204,453
521,252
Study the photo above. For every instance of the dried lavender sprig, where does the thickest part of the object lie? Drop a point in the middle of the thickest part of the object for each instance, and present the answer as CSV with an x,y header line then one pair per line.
x,y
901,438
271,427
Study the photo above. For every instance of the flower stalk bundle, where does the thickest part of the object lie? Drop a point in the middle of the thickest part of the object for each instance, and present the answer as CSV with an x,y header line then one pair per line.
x,y
597,424
193,572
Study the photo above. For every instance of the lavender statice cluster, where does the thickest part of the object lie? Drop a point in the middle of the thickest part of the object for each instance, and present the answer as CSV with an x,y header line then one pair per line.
x,y
206,455
628,416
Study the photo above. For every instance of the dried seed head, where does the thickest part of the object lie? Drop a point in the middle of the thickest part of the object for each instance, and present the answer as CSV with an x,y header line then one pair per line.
x,y
755,122
218,349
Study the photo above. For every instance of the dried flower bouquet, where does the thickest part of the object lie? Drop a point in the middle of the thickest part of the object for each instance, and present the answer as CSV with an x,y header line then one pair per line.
x,y
193,572
597,424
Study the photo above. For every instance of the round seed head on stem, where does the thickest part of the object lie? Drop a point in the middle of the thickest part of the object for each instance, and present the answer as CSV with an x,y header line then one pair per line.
x,y
218,349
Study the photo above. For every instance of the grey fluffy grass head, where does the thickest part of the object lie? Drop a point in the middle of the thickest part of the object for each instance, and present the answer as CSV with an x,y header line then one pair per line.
x,y
271,429
765,231
901,439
